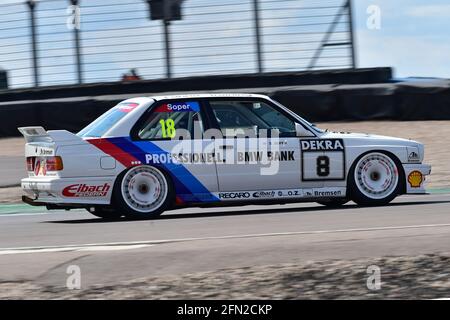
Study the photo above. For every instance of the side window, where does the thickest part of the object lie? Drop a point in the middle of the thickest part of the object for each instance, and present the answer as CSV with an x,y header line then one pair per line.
x,y
235,116
167,119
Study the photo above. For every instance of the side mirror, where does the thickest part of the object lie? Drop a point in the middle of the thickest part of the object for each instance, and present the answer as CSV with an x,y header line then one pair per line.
x,y
301,131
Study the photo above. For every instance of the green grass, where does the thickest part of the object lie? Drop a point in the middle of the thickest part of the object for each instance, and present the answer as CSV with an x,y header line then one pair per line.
x,y
24,209
438,190
19,208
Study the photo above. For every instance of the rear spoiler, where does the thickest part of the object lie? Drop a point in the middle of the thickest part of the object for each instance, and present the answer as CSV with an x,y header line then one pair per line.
x,y
39,134
35,134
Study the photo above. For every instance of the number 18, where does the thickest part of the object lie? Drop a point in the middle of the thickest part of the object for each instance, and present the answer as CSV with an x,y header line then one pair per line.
x,y
168,128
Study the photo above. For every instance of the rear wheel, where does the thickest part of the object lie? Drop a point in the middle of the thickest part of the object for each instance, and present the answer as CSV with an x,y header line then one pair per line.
x,y
143,192
375,179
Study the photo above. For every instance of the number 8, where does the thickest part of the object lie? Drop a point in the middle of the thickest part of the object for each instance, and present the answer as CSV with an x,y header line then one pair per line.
x,y
323,166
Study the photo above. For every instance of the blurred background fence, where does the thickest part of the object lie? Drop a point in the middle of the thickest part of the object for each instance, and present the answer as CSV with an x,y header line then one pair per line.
x,y
56,42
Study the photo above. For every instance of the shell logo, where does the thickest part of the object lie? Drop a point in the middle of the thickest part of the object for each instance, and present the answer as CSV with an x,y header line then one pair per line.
x,y
415,179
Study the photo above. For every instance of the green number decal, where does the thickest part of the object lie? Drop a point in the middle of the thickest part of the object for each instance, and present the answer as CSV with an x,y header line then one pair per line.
x,y
171,131
168,128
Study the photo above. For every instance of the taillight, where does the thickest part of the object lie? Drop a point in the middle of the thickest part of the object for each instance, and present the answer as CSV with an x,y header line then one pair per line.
x,y
53,163
30,163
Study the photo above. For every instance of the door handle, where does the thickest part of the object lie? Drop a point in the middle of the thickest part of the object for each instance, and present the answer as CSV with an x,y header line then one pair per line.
x,y
227,146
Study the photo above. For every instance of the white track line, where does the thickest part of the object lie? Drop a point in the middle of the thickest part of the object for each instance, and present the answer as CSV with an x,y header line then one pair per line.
x,y
136,244
99,247
11,215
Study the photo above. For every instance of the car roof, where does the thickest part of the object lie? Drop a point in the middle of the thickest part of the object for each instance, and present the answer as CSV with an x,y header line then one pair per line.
x,y
209,95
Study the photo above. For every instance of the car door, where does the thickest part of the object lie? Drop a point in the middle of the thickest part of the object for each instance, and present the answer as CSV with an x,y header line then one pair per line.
x,y
250,157
171,135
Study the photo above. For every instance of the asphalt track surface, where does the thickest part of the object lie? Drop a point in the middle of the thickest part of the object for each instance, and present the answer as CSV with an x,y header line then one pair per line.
x,y
12,169
40,247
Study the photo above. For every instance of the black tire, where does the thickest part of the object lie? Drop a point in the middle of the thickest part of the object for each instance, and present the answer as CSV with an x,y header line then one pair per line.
x,y
107,213
358,181
334,203
130,194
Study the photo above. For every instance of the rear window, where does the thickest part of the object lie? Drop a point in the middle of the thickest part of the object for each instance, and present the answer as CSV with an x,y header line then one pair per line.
x,y
107,120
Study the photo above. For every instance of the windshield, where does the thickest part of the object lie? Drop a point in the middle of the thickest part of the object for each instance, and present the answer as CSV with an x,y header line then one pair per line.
x,y
314,127
309,124
107,120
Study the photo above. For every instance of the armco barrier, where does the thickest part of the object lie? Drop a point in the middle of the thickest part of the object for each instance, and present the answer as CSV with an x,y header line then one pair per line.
x,y
235,81
389,101
423,101
427,100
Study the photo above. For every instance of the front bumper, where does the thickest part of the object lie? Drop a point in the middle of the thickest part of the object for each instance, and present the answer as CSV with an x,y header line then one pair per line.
x,y
68,191
415,175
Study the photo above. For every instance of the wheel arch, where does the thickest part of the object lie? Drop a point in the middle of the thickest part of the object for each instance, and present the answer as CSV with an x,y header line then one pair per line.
x,y
117,180
393,156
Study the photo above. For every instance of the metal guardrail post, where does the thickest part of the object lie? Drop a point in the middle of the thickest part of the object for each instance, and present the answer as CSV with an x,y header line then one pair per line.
x,y
166,11
76,33
166,24
31,6
328,35
257,35
352,35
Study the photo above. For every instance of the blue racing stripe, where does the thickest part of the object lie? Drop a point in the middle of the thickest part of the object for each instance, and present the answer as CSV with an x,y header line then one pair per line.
x,y
187,186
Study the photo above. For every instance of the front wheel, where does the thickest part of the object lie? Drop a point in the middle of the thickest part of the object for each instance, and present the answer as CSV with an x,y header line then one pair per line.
x,y
375,179
143,192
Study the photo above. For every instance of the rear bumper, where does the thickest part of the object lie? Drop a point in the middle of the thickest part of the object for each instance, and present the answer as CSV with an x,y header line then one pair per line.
x,y
415,175
50,206
67,191
32,202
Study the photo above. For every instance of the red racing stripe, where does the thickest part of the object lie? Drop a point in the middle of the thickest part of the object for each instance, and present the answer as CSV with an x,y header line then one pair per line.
x,y
114,151
178,200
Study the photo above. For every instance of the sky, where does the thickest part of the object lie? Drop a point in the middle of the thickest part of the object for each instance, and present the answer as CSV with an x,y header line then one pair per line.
x,y
414,37
411,36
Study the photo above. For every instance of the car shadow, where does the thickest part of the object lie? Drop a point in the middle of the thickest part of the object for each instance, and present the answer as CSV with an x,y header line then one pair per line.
x,y
243,212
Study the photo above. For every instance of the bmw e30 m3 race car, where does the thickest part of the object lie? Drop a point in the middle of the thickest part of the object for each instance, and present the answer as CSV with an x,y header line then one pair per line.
x,y
148,155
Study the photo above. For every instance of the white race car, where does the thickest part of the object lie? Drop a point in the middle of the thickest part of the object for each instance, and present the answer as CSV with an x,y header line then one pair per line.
x,y
148,155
